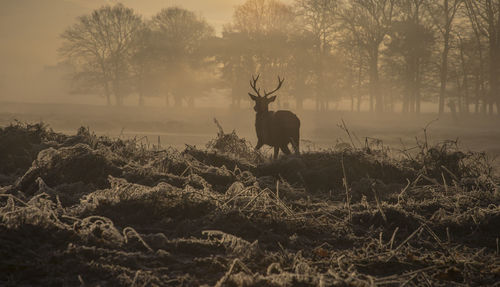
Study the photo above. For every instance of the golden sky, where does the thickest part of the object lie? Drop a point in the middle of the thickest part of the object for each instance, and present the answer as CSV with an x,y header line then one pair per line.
x,y
217,12
30,29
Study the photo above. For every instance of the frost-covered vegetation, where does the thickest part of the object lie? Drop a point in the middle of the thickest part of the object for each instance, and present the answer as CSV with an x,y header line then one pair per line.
x,y
94,211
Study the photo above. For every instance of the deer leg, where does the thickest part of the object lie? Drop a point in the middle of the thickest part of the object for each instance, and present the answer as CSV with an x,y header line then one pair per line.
x,y
295,143
284,149
276,152
258,146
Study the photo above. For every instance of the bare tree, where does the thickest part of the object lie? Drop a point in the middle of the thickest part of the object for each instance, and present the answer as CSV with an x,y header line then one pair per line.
x,y
479,78
256,42
179,36
262,17
370,21
485,18
443,15
100,46
319,18
414,38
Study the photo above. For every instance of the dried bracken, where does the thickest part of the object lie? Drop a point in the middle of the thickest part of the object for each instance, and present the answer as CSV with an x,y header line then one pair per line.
x,y
97,211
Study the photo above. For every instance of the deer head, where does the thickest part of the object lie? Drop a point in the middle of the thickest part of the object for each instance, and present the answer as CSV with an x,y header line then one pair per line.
x,y
262,102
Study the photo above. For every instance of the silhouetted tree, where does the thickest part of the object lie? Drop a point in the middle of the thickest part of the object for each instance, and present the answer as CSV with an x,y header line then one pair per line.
x,y
413,42
100,46
370,21
146,70
443,14
179,38
301,70
478,71
319,20
257,42
355,65
485,18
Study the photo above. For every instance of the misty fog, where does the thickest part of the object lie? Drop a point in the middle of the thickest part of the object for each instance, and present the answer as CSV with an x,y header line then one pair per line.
x,y
249,143
388,73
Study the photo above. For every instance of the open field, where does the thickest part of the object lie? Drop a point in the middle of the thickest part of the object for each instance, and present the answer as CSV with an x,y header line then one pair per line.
x,y
318,130
87,210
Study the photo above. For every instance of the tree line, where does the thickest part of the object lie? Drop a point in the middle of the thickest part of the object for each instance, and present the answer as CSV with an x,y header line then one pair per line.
x,y
388,55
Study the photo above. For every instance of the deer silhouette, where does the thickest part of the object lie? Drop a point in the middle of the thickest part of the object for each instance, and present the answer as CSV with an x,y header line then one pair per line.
x,y
274,128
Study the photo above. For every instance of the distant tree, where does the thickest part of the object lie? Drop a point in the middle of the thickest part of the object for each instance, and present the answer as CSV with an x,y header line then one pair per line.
x,y
319,20
236,54
301,69
485,18
257,17
256,42
443,14
413,42
146,68
180,38
369,21
355,65
463,69
479,58
100,46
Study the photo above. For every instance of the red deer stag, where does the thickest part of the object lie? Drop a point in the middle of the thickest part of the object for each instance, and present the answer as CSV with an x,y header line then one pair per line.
x,y
274,128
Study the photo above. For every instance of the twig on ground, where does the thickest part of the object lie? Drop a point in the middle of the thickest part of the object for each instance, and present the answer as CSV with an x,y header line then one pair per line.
x,y
393,237
404,242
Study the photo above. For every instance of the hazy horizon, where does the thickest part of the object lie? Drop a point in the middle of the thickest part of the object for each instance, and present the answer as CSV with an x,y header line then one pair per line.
x,y
30,35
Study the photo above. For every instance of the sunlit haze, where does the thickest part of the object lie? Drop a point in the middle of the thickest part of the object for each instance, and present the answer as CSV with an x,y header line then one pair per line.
x,y
250,143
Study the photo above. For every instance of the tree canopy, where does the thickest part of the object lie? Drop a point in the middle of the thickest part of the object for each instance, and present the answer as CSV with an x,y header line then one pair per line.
x,y
377,54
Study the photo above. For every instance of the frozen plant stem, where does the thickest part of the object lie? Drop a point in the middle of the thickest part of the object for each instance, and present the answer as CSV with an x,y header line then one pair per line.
x,y
347,193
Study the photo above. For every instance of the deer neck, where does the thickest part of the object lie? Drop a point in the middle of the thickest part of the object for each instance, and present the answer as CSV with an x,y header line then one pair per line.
x,y
263,115
262,125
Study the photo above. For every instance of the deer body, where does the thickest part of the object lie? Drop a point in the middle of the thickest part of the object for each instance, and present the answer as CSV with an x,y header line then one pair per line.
x,y
274,128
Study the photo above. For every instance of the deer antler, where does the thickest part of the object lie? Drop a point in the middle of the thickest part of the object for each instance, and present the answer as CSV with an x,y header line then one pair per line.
x,y
280,82
253,84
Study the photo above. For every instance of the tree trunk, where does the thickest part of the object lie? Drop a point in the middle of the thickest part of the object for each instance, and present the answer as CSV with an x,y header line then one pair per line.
x,y
360,74
352,101
107,94
476,94
375,102
374,79
167,100
465,82
177,100
480,96
444,72
493,93
459,96
408,99
417,86
358,103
